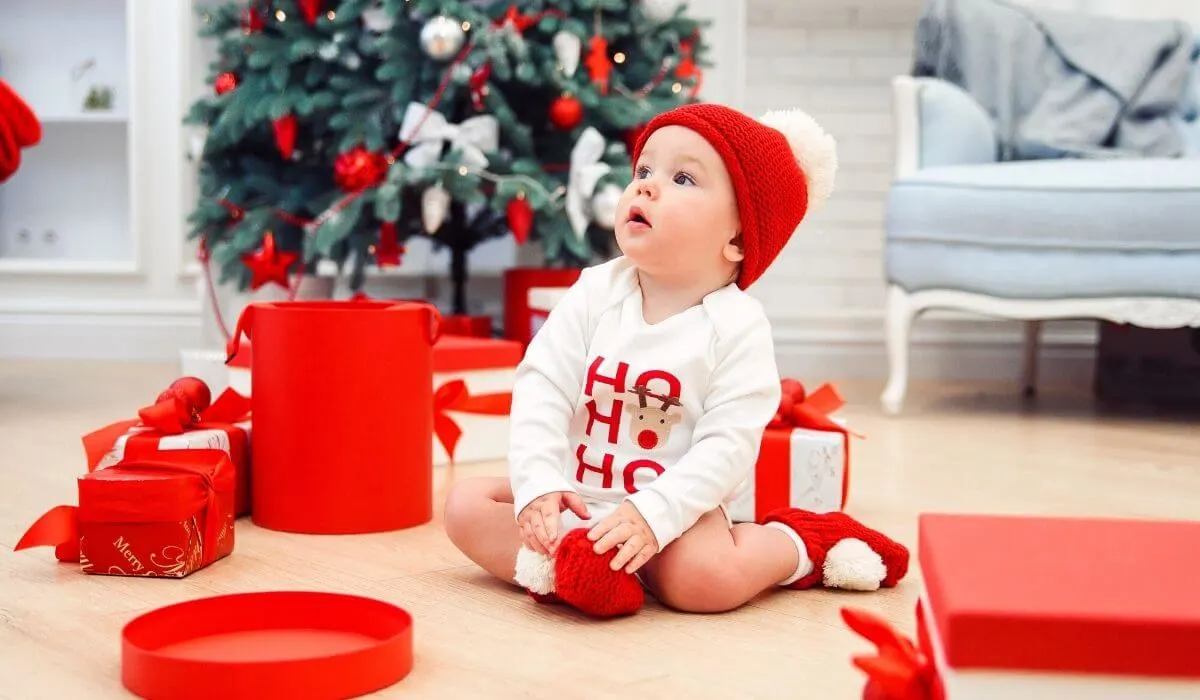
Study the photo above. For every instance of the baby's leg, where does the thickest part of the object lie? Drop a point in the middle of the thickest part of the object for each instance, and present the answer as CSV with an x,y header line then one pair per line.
x,y
480,522
714,568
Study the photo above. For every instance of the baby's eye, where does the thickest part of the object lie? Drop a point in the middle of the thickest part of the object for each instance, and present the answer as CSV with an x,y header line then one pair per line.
x,y
682,178
643,172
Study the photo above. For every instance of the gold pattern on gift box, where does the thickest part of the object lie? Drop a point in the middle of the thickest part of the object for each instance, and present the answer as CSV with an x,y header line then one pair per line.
x,y
195,553
85,564
122,546
169,562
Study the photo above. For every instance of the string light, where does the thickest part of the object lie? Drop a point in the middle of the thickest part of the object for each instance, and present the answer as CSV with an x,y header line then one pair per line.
x,y
619,57
281,15
466,25
331,15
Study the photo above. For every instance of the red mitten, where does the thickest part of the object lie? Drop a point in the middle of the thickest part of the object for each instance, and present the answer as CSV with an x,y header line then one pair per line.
x,y
26,129
580,578
845,553
10,153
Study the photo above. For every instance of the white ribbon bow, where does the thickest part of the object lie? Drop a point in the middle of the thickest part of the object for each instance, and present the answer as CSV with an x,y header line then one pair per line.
x,y
474,137
586,171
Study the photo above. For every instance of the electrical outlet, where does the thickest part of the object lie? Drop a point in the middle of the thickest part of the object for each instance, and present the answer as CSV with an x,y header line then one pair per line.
x,y
18,242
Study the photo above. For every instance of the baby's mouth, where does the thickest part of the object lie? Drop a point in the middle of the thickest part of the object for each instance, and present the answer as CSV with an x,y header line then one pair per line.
x,y
638,217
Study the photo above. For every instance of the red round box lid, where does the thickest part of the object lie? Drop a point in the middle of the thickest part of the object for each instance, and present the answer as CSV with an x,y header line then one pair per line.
x,y
267,645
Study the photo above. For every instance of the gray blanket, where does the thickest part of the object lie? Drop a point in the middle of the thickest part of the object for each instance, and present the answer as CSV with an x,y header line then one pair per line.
x,y
1060,84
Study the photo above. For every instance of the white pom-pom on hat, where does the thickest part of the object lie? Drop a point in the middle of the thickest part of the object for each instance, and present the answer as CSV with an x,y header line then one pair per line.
x,y
815,151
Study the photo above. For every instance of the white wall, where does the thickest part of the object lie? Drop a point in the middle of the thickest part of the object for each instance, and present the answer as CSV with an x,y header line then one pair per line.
x,y
834,58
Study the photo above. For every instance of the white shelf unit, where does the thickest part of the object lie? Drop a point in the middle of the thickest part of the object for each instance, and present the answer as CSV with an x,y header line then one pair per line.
x,y
70,207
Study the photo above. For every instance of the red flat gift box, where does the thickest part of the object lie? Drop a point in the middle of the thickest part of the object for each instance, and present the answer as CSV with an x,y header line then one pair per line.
x,y
164,515
1044,608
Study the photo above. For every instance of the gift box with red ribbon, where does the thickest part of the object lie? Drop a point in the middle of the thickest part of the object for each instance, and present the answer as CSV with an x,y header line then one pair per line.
x,y
182,418
164,514
1043,608
804,458
473,382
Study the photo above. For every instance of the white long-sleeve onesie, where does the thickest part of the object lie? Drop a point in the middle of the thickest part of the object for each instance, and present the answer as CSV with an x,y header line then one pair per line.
x,y
667,415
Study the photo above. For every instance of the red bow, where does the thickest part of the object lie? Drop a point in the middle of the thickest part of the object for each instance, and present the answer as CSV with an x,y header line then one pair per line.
x,y
454,396
898,671
173,413
800,410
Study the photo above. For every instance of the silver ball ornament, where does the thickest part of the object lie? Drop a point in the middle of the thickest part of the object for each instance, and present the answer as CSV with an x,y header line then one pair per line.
x,y
660,10
442,38
605,204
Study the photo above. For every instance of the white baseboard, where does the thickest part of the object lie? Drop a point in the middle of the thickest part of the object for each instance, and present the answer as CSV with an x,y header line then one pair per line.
x,y
833,347
126,330
944,347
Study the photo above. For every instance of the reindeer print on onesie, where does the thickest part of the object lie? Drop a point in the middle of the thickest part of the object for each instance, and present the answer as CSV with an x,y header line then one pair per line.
x,y
667,415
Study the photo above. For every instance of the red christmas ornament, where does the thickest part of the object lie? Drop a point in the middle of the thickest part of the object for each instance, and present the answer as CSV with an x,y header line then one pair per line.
x,y
268,264
252,21
388,251
566,112
358,169
520,218
285,135
687,69
310,9
225,82
478,84
518,21
598,64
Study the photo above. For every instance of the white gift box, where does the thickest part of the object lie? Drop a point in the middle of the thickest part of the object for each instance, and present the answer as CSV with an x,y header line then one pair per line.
x,y
797,468
541,301
1041,608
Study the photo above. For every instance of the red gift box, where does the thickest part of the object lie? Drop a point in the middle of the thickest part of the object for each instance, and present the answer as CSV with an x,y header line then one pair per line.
x,y
182,419
518,316
803,460
473,380
1043,608
468,326
163,515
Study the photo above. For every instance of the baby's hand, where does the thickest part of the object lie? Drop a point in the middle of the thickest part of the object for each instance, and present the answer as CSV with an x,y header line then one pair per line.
x,y
538,522
627,529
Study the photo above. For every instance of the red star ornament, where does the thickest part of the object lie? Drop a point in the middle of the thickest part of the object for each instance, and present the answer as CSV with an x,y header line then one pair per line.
x,y
519,21
268,264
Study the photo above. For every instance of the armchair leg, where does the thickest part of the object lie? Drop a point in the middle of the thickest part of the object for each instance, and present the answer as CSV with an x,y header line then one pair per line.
x,y
1029,365
900,314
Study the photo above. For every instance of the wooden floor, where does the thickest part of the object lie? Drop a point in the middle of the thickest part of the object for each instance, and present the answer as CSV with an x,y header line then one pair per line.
x,y
956,448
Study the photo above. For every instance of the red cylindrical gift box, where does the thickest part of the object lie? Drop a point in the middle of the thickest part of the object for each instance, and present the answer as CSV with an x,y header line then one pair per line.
x,y
518,324
342,397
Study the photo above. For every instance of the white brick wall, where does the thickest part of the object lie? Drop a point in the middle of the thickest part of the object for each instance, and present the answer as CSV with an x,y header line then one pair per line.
x,y
835,59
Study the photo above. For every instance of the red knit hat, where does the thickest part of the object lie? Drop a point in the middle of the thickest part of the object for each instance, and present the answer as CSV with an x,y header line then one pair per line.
x,y
782,166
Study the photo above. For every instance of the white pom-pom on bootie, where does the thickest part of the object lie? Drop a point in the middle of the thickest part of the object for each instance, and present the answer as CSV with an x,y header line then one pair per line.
x,y
534,571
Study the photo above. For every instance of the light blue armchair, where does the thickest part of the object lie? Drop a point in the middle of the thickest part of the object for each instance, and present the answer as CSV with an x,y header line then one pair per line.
x,y
1115,240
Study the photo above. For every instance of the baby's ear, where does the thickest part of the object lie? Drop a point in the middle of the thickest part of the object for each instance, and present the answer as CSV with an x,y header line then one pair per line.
x,y
734,252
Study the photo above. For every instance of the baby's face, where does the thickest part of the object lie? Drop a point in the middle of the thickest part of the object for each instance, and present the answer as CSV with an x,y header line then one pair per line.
x,y
678,217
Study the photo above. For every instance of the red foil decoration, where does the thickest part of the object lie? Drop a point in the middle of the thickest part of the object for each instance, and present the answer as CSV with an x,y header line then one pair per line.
x,y
358,169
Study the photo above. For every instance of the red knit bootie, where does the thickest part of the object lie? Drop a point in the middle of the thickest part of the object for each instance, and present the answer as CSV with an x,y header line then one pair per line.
x,y
579,577
845,553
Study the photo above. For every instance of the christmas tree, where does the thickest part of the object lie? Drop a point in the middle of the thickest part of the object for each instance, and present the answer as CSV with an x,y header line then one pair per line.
x,y
338,130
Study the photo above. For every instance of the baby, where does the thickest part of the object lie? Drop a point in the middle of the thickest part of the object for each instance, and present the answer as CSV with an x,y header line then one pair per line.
x,y
640,404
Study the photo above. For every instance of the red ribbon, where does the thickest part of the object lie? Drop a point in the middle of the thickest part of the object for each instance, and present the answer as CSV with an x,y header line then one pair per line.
x,y
454,396
811,411
898,670
59,527
798,409
164,418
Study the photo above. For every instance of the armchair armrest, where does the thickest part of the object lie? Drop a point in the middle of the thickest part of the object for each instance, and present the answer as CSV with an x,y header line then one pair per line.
x,y
938,123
